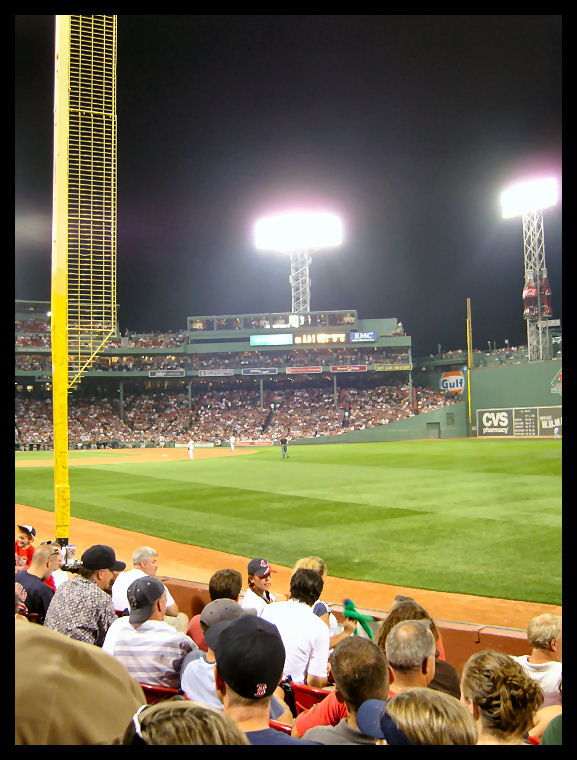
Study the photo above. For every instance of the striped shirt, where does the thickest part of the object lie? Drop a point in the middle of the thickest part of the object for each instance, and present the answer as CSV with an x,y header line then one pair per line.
x,y
81,610
152,651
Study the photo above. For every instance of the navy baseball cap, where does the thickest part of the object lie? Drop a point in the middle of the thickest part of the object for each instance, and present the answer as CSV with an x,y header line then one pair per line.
x,y
142,595
260,567
27,529
374,720
249,655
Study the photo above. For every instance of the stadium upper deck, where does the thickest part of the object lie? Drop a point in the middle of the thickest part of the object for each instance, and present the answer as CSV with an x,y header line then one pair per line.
x,y
253,345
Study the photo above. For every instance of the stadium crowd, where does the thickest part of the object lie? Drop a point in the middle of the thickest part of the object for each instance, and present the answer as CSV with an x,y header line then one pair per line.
x,y
215,415
107,642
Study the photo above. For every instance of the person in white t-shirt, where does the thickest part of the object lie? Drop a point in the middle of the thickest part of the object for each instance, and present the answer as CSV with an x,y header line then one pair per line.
x,y
145,561
305,636
231,440
191,449
258,596
543,665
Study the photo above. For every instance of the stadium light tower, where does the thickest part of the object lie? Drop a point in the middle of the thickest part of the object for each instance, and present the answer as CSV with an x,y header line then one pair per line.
x,y
299,234
528,200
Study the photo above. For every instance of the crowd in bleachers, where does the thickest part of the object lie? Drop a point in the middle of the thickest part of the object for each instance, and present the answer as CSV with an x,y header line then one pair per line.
x,y
131,668
215,415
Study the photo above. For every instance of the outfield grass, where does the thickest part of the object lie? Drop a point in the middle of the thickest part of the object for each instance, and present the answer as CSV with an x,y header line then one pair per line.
x,y
468,516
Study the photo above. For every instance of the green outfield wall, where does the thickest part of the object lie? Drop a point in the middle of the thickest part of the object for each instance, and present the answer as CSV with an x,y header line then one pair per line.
x,y
517,385
448,422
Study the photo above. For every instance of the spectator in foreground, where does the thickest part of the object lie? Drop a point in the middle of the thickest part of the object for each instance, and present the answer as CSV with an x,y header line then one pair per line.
x,y
80,607
45,560
360,671
410,649
258,595
68,692
197,673
175,722
145,562
223,584
321,609
148,647
446,677
543,665
418,716
304,635
500,696
249,664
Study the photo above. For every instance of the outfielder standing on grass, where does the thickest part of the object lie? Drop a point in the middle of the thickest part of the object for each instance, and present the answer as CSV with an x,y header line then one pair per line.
x,y
284,446
191,449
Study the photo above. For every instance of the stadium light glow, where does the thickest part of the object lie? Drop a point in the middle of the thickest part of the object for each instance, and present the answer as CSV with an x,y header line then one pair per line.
x,y
298,231
526,197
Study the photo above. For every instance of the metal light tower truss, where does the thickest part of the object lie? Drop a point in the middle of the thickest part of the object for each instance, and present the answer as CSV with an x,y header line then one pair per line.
x,y
535,271
91,190
300,282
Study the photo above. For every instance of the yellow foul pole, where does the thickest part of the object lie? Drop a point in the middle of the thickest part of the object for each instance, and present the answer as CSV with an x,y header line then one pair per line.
x,y
59,287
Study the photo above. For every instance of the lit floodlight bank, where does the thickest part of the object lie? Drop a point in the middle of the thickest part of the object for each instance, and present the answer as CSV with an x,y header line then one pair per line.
x,y
527,197
298,231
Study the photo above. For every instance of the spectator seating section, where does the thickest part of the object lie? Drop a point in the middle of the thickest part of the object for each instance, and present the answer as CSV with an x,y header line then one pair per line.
x,y
460,640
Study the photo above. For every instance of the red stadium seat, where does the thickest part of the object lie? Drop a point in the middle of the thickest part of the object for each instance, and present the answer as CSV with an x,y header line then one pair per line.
x,y
155,693
276,724
307,696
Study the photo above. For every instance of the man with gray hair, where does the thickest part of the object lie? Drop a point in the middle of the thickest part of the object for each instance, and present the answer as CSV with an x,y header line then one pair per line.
x,y
410,648
145,562
544,634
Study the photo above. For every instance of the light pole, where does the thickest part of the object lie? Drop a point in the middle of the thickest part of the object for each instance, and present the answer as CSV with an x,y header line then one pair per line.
x,y
299,233
528,200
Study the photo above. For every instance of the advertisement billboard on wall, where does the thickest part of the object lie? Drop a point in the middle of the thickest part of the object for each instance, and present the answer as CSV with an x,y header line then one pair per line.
x,y
521,422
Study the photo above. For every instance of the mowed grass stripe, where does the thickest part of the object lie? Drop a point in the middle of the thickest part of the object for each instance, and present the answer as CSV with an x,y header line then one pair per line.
x,y
489,526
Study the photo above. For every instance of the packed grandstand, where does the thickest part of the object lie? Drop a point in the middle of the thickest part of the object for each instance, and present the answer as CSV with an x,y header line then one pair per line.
x,y
210,382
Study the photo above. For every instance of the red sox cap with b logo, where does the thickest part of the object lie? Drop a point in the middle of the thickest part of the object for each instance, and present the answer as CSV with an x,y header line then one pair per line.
x,y
249,655
259,567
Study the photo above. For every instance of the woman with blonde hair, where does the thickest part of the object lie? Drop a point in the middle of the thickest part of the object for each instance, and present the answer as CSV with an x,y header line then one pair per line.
x,y
178,722
418,716
500,696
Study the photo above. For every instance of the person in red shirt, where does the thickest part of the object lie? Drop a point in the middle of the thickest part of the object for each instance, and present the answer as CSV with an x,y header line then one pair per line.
x,y
23,548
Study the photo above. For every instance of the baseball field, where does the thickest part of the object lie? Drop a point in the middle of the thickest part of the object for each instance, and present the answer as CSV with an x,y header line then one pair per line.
x,y
472,517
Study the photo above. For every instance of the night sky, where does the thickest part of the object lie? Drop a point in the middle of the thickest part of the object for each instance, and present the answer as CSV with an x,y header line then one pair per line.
x,y
409,127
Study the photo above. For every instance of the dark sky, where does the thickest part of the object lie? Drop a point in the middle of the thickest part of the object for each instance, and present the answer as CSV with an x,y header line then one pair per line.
x,y
409,127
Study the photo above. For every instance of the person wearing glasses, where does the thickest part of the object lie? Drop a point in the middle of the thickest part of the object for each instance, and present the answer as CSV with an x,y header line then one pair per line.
x,y
45,560
174,722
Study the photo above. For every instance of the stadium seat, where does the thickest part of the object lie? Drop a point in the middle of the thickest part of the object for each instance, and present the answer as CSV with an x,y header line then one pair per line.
x,y
276,724
307,696
155,693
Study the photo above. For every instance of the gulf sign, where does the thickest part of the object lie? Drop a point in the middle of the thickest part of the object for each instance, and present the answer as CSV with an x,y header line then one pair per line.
x,y
452,382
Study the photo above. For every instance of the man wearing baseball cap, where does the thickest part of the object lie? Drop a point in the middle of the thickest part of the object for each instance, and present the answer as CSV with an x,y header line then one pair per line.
x,y
258,595
149,648
249,657
81,607
197,673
